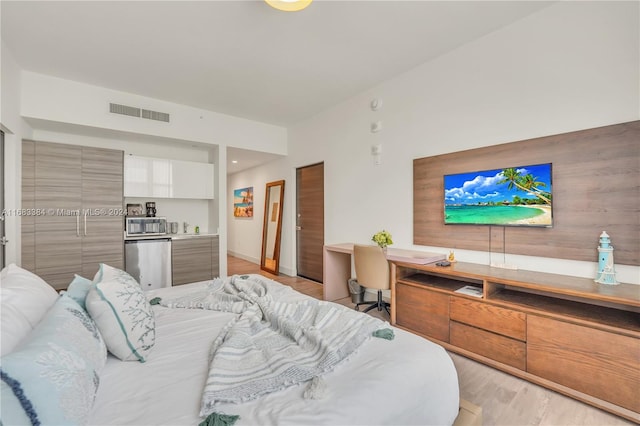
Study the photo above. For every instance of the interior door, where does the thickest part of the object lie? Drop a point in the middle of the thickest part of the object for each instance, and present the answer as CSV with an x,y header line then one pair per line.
x,y
310,221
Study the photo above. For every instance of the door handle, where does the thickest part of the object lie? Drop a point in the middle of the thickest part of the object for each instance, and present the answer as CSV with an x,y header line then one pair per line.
x,y
85,223
298,228
78,224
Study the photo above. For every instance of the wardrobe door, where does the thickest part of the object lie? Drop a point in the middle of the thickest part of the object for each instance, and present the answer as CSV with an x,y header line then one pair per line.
x,y
102,209
58,243
28,221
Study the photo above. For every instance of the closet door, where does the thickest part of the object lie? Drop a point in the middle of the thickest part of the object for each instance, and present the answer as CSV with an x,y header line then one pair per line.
x,y
28,222
58,243
102,221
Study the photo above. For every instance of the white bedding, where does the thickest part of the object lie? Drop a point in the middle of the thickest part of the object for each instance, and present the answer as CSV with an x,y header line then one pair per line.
x,y
408,380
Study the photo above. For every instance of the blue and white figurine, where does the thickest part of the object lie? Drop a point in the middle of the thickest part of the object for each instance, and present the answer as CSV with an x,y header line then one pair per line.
x,y
606,268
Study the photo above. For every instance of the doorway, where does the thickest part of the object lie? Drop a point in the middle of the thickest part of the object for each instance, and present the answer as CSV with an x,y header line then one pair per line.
x,y
310,221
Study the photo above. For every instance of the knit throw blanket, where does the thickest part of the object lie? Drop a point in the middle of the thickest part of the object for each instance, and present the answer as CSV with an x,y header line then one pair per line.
x,y
272,345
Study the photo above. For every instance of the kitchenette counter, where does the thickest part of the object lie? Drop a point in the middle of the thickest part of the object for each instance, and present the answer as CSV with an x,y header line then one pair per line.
x,y
170,236
185,236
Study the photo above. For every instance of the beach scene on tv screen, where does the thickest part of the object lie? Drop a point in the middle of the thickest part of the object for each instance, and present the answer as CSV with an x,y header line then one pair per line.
x,y
514,196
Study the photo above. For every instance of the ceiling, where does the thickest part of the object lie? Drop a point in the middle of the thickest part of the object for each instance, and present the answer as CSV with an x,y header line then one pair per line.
x,y
242,57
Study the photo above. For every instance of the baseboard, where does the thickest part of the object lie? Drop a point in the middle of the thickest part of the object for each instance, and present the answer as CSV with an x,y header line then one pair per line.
x,y
244,257
287,271
283,270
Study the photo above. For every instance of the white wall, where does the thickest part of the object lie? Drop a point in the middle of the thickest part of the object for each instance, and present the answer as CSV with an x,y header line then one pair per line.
x,y
571,66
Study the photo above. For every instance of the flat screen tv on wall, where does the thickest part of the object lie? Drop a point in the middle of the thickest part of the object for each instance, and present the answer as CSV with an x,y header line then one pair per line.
x,y
513,196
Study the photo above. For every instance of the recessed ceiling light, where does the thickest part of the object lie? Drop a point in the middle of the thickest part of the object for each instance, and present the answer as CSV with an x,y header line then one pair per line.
x,y
288,5
234,161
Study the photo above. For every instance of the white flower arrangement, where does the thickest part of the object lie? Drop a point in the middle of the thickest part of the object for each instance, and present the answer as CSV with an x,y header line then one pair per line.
x,y
382,238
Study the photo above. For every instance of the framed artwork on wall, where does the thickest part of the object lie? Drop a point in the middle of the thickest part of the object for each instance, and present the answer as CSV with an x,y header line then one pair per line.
x,y
243,202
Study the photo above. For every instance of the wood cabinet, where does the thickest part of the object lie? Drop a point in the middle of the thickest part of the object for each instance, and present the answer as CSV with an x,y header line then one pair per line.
x,y
569,334
194,259
28,222
166,178
58,201
600,363
72,199
426,315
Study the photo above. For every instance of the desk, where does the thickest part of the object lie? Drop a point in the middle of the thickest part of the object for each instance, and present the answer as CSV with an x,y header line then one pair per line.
x,y
337,266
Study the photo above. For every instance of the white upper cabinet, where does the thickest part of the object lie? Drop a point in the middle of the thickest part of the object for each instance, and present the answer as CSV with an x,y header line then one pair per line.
x,y
146,177
164,178
191,180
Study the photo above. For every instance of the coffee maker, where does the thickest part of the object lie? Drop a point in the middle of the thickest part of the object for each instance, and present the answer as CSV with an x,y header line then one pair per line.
x,y
151,209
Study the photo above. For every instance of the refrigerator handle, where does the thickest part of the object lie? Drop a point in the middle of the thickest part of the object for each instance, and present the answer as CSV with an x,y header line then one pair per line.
x,y
78,224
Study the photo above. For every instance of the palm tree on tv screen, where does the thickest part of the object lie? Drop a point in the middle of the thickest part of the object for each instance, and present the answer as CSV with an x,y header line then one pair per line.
x,y
527,183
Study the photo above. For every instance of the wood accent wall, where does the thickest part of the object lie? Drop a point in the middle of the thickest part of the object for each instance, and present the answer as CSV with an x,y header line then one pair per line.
x,y
596,187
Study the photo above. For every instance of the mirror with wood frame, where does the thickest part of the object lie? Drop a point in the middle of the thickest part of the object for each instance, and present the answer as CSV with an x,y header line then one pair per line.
x,y
272,227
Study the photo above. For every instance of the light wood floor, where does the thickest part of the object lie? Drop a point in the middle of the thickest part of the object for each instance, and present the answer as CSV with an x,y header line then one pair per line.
x,y
505,400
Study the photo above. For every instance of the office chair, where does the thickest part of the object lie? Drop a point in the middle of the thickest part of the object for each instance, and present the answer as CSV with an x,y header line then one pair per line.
x,y
372,271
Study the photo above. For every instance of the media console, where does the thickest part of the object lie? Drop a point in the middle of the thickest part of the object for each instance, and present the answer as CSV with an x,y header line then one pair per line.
x,y
569,334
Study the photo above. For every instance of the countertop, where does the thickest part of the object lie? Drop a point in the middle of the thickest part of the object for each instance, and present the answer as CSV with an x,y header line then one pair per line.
x,y
168,236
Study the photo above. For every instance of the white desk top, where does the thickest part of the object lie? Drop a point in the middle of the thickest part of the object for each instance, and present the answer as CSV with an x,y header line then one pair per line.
x,y
394,254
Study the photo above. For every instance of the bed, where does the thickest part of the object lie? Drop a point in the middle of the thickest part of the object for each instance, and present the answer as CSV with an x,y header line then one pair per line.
x,y
407,380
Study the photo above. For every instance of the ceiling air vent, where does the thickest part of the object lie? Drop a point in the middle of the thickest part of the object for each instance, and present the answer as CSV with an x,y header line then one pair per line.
x,y
124,110
155,115
138,112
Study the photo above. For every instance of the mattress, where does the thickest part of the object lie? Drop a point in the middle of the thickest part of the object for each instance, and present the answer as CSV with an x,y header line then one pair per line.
x,y
408,380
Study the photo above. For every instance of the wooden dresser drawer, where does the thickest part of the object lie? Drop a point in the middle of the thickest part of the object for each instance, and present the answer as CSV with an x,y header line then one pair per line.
x,y
595,362
423,311
506,322
499,348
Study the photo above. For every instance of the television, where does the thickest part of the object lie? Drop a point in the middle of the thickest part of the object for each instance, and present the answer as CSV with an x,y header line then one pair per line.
x,y
511,196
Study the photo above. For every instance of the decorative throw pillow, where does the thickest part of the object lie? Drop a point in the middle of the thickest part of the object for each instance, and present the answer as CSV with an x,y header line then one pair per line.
x,y
53,375
123,314
78,290
25,299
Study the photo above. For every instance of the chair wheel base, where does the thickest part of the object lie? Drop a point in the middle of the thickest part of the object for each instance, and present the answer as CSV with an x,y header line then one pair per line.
x,y
380,304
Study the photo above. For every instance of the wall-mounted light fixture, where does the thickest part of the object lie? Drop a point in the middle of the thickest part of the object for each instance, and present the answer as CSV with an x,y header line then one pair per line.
x,y
376,152
376,126
375,104
289,5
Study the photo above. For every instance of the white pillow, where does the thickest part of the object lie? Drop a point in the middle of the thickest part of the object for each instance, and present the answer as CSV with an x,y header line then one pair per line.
x,y
122,313
25,299
13,326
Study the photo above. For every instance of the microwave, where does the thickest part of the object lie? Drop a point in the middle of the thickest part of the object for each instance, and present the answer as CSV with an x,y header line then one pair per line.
x,y
145,226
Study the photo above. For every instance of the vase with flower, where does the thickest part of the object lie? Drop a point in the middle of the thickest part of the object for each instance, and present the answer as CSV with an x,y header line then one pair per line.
x,y
382,239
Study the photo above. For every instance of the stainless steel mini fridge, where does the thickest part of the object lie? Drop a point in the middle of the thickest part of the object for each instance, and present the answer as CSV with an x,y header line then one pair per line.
x,y
149,262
